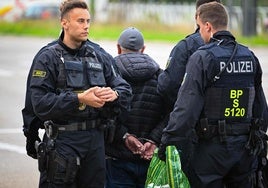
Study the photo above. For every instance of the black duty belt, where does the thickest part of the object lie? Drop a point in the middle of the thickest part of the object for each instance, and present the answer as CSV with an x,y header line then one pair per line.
x,y
230,129
80,126
222,129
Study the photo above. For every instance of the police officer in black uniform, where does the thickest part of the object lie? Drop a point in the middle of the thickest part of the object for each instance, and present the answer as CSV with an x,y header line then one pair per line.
x,y
170,80
70,83
220,99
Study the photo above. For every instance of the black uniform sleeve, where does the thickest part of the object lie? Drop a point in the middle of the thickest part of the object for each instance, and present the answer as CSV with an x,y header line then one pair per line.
x,y
170,80
189,104
157,132
46,103
260,103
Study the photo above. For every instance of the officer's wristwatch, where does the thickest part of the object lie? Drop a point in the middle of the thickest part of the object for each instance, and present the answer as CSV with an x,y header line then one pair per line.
x,y
116,93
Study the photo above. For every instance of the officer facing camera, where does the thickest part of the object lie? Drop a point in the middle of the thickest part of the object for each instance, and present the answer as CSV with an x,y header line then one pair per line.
x,y
70,81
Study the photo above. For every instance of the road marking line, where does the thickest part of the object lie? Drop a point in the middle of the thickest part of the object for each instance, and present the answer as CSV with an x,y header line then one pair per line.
x,y
5,73
14,148
11,130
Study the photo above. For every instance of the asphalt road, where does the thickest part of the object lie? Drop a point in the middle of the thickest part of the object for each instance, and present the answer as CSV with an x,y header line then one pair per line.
x,y
16,54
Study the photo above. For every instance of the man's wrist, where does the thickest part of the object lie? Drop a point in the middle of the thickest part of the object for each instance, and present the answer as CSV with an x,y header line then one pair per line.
x,y
125,136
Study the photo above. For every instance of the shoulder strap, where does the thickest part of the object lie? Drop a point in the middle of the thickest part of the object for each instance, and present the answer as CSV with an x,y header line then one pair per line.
x,y
61,79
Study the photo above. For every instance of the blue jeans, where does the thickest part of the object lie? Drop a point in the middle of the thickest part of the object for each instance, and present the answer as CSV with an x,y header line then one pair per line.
x,y
125,174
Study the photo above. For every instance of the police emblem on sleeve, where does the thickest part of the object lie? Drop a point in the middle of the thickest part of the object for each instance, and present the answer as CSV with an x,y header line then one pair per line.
x,y
39,73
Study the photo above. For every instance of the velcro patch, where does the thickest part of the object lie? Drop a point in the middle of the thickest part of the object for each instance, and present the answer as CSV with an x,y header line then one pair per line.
x,y
39,73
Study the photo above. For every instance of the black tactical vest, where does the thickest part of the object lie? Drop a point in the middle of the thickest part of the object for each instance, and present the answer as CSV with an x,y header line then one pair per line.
x,y
78,73
231,97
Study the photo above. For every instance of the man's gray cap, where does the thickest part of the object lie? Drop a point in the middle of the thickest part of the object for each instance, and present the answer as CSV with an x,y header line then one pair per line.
x,y
131,38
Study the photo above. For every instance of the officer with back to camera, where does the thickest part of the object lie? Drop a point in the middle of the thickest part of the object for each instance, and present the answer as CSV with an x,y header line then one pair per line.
x,y
71,81
170,80
219,107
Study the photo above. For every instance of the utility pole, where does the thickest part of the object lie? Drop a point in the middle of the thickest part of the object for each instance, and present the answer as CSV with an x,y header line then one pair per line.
x,y
249,9
92,9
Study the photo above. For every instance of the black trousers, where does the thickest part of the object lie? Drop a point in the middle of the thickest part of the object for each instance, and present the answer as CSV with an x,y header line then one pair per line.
x,y
216,164
79,161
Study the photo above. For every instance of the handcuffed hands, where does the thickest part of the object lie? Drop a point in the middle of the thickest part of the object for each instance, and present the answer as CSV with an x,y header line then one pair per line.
x,y
145,150
149,148
133,144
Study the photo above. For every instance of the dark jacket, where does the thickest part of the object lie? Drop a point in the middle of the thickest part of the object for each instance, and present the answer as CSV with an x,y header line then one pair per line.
x,y
31,122
45,102
243,72
170,80
145,116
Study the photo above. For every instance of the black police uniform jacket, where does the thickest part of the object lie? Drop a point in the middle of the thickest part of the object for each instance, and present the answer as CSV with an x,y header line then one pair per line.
x,y
170,80
144,120
242,95
85,67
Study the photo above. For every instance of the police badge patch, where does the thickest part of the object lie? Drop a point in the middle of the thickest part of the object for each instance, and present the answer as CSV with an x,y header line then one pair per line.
x,y
39,73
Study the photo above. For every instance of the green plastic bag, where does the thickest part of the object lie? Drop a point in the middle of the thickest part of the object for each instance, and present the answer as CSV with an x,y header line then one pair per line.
x,y
166,174
157,173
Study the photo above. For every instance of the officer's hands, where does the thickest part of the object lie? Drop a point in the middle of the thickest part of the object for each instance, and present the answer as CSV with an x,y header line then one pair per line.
x,y
106,94
97,96
149,148
90,97
30,146
134,145
162,152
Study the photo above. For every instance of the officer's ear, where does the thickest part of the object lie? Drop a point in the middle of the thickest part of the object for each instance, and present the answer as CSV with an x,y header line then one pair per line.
x,y
142,49
208,27
64,23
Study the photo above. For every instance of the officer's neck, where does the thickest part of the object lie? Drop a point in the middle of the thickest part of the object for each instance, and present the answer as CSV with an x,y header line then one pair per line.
x,y
72,44
68,42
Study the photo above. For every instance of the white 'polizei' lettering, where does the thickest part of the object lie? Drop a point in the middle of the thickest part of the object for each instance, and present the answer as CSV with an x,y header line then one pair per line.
x,y
238,67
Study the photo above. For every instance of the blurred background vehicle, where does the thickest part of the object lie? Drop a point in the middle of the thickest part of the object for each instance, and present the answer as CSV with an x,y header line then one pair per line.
x,y
41,10
14,10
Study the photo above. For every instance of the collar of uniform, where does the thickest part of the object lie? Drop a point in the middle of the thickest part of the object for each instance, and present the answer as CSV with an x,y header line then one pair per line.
x,y
226,35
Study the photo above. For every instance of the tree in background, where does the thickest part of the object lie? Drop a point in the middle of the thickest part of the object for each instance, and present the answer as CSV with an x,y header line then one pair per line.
x,y
249,9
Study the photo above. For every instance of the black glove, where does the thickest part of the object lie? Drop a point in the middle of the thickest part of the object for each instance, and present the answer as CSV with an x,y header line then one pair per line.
x,y
30,146
162,152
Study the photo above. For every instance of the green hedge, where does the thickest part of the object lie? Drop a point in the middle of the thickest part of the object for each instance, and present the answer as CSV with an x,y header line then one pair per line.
x,y
151,32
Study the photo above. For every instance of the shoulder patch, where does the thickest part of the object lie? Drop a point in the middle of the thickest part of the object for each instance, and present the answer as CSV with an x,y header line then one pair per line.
x,y
168,61
39,73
